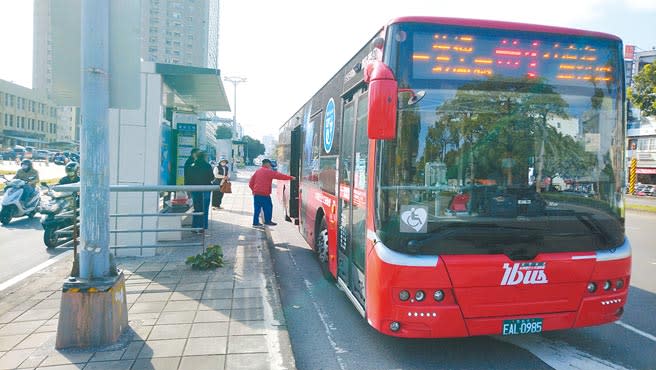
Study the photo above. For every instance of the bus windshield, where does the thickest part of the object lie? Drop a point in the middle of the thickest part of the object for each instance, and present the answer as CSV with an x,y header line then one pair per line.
x,y
507,142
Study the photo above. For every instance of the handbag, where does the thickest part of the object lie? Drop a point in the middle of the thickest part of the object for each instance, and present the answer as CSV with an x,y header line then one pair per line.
x,y
226,187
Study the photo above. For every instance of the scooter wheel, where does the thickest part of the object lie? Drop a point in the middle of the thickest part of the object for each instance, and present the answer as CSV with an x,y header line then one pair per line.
x,y
50,237
5,216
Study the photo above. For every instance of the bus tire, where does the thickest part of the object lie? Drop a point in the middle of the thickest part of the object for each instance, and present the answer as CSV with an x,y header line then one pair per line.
x,y
321,245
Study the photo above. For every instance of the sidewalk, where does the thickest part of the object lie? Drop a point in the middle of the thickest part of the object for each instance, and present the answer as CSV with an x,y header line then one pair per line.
x,y
229,318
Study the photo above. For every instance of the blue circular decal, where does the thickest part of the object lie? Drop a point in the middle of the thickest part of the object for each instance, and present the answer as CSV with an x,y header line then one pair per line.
x,y
329,126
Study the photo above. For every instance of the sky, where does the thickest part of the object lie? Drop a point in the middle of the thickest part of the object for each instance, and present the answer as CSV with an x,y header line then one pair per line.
x,y
288,49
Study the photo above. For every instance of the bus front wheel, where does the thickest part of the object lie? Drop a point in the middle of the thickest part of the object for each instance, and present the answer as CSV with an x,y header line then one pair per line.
x,y
322,248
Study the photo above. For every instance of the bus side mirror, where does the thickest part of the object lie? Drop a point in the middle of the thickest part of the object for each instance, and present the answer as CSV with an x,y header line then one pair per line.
x,y
383,99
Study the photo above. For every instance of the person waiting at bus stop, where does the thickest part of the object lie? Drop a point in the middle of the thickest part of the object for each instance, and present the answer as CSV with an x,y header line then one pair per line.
x,y
260,184
200,173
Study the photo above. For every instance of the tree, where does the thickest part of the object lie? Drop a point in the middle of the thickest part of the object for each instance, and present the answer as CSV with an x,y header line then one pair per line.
x,y
223,132
253,148
643,92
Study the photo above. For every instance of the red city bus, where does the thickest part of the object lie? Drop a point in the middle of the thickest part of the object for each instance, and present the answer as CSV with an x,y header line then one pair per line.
x,y
439,178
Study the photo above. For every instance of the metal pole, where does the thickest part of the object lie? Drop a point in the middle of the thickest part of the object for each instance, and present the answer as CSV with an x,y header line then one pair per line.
x,y
94,145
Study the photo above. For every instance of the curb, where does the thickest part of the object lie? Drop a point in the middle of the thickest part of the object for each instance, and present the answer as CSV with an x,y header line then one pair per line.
x,y
273,288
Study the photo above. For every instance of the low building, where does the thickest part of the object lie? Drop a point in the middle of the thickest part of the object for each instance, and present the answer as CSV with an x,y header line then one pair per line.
x,y
27,117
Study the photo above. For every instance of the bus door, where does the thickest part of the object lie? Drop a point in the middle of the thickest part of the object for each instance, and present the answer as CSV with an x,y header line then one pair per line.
x,y
352,207
294,170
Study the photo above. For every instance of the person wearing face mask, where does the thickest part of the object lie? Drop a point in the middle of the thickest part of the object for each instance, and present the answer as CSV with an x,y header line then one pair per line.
x,y
31,176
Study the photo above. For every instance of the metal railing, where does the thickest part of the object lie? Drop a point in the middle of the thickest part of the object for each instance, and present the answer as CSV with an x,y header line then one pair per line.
x,y
165,193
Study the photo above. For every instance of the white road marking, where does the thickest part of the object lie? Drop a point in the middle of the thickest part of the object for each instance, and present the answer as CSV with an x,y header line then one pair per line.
x,y
558,354
637,331
18,278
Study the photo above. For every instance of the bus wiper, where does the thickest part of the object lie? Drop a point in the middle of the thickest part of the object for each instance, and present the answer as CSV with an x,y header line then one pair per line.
x,y
481,234
593,225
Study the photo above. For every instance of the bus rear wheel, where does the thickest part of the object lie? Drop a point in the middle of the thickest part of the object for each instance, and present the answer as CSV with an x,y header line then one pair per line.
x,y
322,248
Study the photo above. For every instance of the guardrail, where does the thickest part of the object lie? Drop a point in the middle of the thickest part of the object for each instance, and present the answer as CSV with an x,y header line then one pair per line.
x,y
165,193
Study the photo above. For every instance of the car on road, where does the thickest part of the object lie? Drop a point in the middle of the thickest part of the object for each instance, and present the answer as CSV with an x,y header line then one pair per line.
x,y
40,155
8,155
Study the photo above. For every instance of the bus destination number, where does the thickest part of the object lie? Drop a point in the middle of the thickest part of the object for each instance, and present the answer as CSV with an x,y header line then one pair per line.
x,y
522,326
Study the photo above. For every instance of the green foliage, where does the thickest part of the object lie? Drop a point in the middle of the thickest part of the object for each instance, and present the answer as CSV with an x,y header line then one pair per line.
x,y
643,92
223,132
253,148
210,259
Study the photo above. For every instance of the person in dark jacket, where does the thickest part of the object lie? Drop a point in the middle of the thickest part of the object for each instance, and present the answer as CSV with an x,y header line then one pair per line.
x,y
260,184
221,175
192,157
200,173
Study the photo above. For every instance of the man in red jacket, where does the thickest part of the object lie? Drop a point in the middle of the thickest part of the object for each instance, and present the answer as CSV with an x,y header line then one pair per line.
x,y
260,184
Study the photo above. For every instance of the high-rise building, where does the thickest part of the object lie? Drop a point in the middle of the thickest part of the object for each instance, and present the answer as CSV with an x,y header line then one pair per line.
x,y
182,32
42,48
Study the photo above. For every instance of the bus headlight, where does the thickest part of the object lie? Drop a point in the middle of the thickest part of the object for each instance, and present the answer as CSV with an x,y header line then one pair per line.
x,y
404,295
607,285
592,287
420,295
619,284
395,326
438,295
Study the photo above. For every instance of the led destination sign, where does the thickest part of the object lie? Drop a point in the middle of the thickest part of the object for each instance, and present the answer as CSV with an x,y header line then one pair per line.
x,y
464,57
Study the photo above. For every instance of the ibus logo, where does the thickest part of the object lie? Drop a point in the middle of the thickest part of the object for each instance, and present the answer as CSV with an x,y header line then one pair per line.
x,y
524,273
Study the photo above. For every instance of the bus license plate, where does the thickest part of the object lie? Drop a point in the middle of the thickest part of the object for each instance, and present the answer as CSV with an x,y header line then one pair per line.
x,y
522,326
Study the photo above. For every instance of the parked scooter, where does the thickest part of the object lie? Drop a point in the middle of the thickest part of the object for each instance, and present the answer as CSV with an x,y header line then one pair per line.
x,y
13,205
52,219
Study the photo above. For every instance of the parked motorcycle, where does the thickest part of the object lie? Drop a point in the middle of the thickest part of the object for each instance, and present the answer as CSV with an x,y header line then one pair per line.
x,y
58,203
13,205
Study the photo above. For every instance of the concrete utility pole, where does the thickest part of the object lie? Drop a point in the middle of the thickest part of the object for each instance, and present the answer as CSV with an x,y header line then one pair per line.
x,y
93,307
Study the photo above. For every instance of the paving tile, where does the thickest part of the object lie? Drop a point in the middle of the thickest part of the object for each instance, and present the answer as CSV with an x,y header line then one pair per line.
x,y
218,294
250,361
25,327
154,297
247,344
248,314
147,307
107,356
35,314
8,342
9,316
212,316
173,331
132,350
181,306
250,302
186,295
65,358
110,365
146,318
50,303
212,304
63,367
162,348
34,360
180,317
247,327
190,286
212,362
206,346
141,332
13,359
220,285
157,287
247,292
160,363
209,329
35,340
